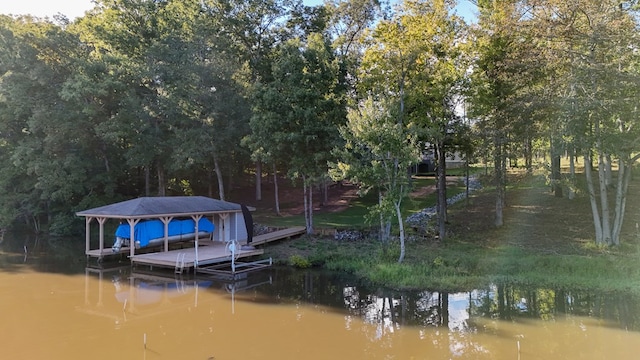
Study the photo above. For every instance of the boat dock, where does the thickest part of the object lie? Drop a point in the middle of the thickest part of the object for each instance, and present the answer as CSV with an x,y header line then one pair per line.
x,y
212,252
151,223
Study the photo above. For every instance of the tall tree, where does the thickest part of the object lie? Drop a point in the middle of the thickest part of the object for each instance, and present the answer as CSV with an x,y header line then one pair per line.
x,y
437,89
56,150
254,28
349,22
598,40
378,151
417,57
179,68
298,113
495,84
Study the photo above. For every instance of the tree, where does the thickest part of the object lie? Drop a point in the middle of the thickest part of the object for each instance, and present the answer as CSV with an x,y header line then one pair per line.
x,y
417,58
45,137
296,116
378,151
253,29
438,84
496,84
349,21
178,70
598,40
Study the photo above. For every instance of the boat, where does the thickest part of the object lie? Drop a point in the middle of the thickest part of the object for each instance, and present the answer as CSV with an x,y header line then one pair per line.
x,y
149,233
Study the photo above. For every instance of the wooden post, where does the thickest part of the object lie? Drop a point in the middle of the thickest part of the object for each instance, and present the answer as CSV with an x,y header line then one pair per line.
x,y
87,224
196,218
166,220
132,240
236,217
101,221
223,225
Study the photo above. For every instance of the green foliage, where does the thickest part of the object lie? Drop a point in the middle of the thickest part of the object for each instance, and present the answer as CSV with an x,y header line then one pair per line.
x,y
299,262
144,97
460,266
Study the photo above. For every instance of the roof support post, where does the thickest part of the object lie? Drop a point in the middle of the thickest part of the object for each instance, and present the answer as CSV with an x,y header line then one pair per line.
x,y
132,240
101,221
166,220
224,217
87,225
196,219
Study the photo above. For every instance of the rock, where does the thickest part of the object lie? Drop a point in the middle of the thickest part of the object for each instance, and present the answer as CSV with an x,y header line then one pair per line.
x,y
421,219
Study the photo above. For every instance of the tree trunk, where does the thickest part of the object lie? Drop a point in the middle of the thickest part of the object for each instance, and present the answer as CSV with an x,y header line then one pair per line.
x,y
592,197
310,227
503,175
308,205
498,168
275,189
556,176
385,226
258,180
442,191
325,191
572,173
466,175
554,153
624,176
219,177
608,170
528,155
147,181
162,188
604,201
396,204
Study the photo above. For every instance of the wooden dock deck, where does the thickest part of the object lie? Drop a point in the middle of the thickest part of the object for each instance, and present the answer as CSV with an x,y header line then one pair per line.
x,y
209,253
212,253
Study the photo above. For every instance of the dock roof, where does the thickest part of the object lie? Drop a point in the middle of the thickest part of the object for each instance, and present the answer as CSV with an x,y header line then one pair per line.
x,y
154,207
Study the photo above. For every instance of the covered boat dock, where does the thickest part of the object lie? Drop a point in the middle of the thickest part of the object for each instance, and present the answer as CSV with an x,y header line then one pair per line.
x,y
230,240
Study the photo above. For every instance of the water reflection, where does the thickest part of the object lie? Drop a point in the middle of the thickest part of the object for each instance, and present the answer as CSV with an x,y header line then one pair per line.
x,y
279,313
455,311
139,293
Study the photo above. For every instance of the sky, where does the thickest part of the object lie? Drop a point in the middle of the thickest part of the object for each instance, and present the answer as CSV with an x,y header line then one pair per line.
x,y
48,8
76,8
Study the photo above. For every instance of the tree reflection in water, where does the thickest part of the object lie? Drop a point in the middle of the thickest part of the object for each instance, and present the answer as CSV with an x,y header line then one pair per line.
x,y
458,312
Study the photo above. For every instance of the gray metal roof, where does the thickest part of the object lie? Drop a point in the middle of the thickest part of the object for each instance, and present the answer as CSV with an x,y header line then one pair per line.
x,y
153,207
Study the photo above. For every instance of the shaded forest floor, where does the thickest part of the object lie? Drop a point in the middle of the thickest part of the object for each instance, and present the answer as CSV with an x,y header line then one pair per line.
x,y
534,217
545,239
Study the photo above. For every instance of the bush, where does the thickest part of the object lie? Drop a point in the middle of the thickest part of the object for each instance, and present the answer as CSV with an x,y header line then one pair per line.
x,y
299,262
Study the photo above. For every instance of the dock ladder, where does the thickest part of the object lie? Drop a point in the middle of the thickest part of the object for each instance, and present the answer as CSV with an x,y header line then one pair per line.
x,y
180,263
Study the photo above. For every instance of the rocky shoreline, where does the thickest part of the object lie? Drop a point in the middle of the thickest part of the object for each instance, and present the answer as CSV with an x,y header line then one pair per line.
x,y
419,220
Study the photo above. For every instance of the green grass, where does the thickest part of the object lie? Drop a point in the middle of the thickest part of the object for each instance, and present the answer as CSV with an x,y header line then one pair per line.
x,y
460,266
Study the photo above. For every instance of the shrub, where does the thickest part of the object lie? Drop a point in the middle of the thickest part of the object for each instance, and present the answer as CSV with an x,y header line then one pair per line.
x,y
300,262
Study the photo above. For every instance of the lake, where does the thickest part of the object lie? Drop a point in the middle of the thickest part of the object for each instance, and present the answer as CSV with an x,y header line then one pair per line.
x,y
61,307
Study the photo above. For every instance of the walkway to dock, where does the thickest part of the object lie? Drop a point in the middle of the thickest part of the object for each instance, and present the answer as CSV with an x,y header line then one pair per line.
x,y
278,235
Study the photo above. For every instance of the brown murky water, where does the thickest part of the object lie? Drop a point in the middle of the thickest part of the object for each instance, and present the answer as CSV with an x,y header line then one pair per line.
x,y
116,314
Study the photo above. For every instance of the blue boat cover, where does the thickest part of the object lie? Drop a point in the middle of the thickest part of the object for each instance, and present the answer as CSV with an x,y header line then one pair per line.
x,y
147,230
